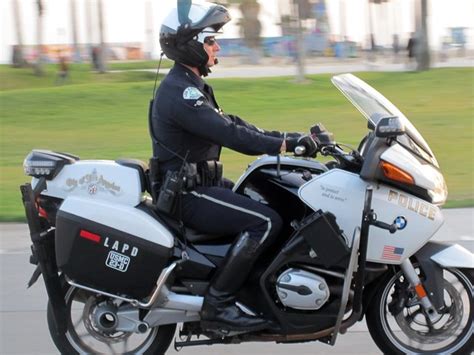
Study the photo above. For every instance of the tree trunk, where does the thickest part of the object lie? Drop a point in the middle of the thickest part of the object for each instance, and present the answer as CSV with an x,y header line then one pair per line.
x,y
251,28
149,29
76,51
38,68
300,76
103,48
423,53
89,31
18,58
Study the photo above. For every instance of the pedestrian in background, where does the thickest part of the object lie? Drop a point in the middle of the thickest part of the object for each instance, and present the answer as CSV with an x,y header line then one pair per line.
x,y
395,48
63,70
411,51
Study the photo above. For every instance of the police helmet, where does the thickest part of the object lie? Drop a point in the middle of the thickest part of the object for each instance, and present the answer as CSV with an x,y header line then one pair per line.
x,y
183,31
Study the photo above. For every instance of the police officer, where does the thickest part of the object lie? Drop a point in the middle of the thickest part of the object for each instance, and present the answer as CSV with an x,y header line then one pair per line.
x,y
188,122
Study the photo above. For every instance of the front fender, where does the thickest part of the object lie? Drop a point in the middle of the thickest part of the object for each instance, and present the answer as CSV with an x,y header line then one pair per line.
x,y
446,255
454,255
433,258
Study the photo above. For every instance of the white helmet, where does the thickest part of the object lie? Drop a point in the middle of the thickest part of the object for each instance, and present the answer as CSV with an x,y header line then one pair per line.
x,y
183,31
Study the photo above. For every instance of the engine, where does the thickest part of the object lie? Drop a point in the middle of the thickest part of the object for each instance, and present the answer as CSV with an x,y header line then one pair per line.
x,y
302,290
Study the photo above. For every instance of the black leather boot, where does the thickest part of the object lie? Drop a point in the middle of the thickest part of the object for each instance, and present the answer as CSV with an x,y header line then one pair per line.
x,y
219,311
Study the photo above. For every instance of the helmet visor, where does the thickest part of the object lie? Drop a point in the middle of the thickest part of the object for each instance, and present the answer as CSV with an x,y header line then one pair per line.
x,y
208,35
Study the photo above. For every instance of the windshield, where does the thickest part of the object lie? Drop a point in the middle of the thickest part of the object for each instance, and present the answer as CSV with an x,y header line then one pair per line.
x,y
375,106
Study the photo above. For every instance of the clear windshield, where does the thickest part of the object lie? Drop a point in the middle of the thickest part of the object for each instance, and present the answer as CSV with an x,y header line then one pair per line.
x,y
375,106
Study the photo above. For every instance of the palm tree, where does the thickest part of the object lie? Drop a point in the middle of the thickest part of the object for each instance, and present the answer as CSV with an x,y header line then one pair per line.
x,y
18,57
91,50
250,26
103,48
38,68
423,52
76,52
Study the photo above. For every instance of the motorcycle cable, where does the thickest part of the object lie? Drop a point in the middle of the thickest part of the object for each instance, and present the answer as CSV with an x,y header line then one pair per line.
x,y
182,227
150,110
279,159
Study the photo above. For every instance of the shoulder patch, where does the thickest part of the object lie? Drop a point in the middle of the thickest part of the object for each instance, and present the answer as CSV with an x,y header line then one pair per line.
x,y
192,93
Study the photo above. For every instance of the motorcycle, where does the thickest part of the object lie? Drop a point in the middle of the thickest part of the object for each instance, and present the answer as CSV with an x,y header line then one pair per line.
x,y
121,275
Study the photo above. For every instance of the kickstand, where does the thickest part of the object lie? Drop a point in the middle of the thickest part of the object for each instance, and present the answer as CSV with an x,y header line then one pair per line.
x,y
182,340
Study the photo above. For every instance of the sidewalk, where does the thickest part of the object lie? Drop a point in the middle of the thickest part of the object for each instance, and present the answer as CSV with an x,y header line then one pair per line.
x,y
236,67
281,66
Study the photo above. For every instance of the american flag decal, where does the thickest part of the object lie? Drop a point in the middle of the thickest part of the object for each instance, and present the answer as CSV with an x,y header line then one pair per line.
x,y
392,253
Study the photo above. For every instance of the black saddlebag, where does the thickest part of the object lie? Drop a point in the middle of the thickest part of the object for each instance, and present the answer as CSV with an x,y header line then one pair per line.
x,y
107,259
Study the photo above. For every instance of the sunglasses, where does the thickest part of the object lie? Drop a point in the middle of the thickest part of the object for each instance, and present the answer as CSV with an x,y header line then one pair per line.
x,y
210,41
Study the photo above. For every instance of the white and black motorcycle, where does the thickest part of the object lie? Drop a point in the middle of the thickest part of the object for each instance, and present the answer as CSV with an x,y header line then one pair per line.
x,y
121,276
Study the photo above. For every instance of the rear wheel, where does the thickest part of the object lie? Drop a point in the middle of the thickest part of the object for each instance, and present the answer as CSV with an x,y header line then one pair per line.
x,y
398,325
87,335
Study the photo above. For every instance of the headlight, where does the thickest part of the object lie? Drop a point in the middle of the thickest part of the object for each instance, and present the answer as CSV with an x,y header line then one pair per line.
x,y
439,193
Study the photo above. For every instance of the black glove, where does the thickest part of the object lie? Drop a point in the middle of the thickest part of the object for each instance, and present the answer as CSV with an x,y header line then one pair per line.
x,y
305,141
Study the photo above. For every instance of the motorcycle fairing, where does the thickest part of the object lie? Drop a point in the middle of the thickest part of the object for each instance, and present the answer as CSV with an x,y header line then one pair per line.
x,y
425,176
284,162
342,193
374,106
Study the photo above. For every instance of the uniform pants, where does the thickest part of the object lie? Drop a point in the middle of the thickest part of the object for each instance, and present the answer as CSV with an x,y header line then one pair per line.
x,y
220,211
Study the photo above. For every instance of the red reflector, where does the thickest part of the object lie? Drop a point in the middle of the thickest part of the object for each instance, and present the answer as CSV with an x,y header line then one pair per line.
x,y
90,236
42,212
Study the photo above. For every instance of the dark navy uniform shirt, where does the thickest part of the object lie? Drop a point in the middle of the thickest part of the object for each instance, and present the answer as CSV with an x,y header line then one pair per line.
x,y
187,118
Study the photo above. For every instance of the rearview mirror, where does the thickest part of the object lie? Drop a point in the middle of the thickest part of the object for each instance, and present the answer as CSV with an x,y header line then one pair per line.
x,y
389,127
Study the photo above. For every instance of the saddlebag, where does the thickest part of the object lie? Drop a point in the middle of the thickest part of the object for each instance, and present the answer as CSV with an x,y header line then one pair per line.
x,y
109,259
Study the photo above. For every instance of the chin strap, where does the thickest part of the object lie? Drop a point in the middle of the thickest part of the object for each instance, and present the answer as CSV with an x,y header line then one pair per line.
x,y
204,70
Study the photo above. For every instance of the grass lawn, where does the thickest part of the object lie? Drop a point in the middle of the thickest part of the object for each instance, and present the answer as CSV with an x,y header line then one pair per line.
x,y
105,117
23,78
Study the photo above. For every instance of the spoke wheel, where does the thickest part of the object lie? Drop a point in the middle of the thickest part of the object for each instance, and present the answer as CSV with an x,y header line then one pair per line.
x,y
410,331
86,335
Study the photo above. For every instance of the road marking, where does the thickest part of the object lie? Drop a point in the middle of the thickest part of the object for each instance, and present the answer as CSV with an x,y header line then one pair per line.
x,y
13,252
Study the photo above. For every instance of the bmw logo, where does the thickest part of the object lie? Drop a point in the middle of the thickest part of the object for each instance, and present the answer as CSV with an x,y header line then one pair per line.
x,y
400,222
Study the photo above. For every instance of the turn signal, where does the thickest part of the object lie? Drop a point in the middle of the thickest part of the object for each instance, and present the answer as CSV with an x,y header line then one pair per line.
x,y
394,173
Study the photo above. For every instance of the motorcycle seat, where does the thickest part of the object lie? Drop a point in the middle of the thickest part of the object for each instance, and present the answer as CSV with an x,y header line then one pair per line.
x,y
142,169
192,235
174,226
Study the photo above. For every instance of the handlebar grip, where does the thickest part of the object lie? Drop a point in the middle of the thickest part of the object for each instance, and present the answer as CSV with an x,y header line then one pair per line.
x,y
300,150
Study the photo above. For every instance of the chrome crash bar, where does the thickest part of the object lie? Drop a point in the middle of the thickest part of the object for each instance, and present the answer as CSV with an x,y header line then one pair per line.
x,y
153,296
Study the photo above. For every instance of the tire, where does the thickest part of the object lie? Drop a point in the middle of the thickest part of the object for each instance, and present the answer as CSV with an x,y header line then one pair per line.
x,y
155,341
405,332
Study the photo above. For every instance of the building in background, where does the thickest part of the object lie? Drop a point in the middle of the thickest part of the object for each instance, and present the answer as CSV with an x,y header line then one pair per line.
x,y
131,26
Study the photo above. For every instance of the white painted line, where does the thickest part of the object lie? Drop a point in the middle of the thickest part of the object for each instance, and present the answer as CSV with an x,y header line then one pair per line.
x,y
13,252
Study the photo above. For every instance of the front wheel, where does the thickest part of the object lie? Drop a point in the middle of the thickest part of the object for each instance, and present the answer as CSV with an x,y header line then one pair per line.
x,y
85,336
398,325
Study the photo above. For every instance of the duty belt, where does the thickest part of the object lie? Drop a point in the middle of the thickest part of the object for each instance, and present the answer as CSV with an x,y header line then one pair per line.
x,y
205,173
209,173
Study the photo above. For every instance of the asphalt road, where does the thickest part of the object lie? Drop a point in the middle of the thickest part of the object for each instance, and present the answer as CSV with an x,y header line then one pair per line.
x,y
23,328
